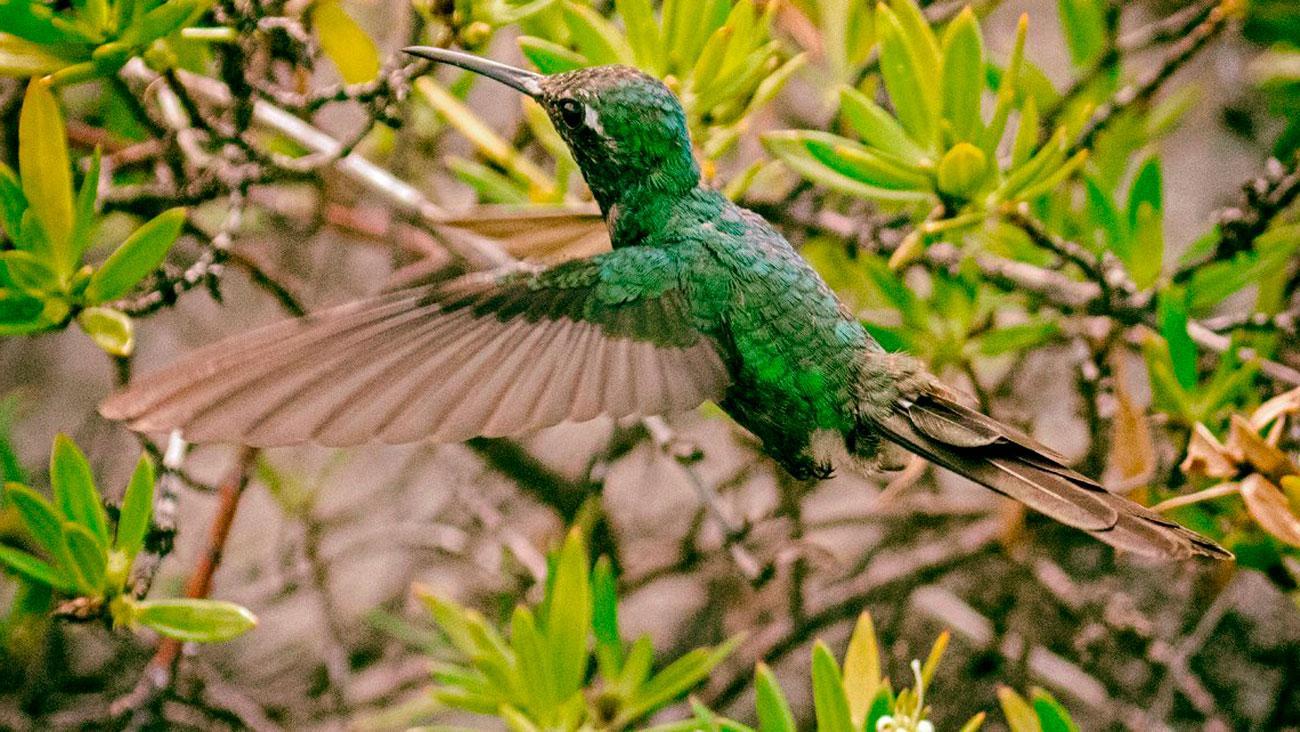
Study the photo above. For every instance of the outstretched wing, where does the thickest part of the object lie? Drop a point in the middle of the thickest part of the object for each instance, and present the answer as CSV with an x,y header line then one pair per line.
x,y
488,356
1001,458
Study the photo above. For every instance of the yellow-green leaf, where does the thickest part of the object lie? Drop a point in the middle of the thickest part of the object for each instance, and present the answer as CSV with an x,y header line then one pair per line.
x,y
877,127
198,621
774,713
962,76
1020,716
904,79
74,489
861,669
137,257
137,508
962,169
43,168
347,45
86,559
568,620
110,329
829,700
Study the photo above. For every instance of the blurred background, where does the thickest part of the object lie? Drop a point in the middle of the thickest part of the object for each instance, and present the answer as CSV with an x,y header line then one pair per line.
x,y
254,114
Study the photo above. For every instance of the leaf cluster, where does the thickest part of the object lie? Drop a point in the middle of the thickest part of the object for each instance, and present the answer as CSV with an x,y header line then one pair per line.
x,y
75,552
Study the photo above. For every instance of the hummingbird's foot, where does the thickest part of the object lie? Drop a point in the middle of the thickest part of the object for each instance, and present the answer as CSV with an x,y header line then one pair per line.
x,y
803,467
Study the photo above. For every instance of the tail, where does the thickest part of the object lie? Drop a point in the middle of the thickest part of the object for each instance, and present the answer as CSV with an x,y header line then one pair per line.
x,y
1004,460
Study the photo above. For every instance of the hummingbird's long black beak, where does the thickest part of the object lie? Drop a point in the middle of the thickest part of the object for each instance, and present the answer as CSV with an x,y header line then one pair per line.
x,y
528,82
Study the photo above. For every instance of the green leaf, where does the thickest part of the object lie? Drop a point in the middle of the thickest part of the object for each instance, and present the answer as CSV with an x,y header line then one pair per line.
x,y
20,313
163,20
1102,211
137,509
790,148
536,672
1006,91
1018,338
774,713
34,569
74,489
1147,188
38,517
851,159
84,220
595,37
137,257
642,33
962,77
1051,715
23,59
1173,327
347,45
877,127
550,57
1020,716
674,680
861,669
43,167
1146,256
829,699
1026,134
192,620
28,273
962,169
1084,25
881,705
12,203
903,79
110,329
604,618
86,559
568,618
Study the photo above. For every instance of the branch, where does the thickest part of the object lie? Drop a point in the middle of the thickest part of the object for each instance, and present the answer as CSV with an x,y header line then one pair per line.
x,y
159,672
1141,91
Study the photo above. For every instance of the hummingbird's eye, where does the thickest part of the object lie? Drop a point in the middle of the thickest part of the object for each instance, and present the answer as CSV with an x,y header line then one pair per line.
x,y
571,113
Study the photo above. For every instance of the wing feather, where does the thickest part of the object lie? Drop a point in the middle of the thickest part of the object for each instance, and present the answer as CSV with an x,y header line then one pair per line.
x,y
477,356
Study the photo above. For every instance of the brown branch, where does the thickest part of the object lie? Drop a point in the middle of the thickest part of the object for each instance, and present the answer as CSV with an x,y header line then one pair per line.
x,y
160,670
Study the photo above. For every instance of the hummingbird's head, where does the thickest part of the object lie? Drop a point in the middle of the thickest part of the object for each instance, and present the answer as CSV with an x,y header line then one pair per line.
x,y
626,130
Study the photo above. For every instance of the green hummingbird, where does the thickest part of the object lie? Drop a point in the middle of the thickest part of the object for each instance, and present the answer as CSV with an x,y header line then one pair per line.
x,y
699,300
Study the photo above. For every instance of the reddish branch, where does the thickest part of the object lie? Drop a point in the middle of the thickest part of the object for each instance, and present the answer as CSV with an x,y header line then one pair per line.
x,y
158,673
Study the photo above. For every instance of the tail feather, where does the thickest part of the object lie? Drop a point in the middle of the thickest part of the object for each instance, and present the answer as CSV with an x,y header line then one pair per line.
x,y
1013,464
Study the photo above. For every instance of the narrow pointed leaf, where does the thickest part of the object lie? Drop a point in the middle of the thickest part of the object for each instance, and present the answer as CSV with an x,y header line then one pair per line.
x,y
774,713
1020,716
861,668
137,257
44,170
568,620
137,509
1083,24
1051,715
86,559
550,57
12,203
197,621
84,219
903,78
34,570
347,45
39,517
829,700
74,489
604,618
595,37
962,77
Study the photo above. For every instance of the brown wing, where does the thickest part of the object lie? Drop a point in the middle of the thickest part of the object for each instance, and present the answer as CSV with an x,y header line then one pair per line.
x,y
444,362
1001,458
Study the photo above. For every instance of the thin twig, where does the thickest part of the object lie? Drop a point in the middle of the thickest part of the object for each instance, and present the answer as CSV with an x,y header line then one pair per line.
x,y
159,672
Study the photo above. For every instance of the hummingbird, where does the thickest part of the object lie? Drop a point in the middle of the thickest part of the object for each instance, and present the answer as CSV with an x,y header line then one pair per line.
x,y
699,300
